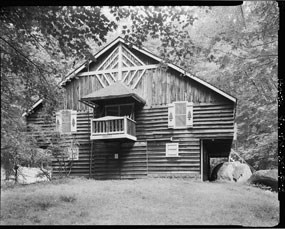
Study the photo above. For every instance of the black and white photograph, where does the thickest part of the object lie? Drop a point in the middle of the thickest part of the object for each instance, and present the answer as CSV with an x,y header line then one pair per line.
x,y
140,115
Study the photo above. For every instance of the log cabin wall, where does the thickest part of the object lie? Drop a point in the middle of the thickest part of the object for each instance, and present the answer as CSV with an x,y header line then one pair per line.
x,y
147,155
213,117
80,167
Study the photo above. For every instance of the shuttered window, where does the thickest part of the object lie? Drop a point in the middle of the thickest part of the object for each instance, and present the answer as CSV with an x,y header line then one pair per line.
x,y
172,149
66,121
180,115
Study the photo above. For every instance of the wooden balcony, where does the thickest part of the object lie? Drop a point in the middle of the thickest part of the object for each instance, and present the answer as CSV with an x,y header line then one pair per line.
x,y
113,127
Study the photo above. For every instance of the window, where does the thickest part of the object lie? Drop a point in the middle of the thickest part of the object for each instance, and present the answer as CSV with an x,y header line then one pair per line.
x,y
66,121
112,111
73,153
171,149
180,115
120,110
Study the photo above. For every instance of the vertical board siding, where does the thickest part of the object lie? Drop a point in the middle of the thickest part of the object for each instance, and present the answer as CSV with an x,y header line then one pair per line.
x,y
158,86
131,162
86,85
145,59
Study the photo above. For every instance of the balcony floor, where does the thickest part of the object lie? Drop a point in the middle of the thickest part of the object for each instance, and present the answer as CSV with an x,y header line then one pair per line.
x,y
112,136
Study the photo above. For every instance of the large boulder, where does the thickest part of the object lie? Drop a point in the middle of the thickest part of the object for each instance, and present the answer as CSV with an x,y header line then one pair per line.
x,y
215,171
232,171
30,175
265,177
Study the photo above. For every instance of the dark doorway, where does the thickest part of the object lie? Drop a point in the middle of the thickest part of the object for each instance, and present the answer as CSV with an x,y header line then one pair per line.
x,y
211,148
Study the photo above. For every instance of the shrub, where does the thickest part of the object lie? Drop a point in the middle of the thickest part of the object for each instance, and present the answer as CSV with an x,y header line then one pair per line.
x,y
45,202
68,199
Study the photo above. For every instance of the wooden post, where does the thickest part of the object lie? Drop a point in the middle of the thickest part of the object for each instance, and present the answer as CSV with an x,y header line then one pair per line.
x,y
125,124
235,135
91,160
120,63
146,157
201,159
90,152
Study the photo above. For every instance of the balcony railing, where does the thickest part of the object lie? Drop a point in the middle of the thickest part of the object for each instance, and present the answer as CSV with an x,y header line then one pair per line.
x,y
113,127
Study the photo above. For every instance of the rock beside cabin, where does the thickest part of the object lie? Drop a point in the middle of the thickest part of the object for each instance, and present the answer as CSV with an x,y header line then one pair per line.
x,y
232,171
265,177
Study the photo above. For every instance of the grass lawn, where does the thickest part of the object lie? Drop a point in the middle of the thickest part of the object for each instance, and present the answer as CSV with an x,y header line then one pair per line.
x,y
139,202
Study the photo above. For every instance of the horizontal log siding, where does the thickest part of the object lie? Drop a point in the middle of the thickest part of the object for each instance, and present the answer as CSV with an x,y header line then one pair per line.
x,y
82,136
147,155
210,121
188,160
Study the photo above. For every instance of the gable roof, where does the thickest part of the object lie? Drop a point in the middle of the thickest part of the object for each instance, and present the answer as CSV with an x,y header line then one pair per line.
x,y
153,56
74,72
113,91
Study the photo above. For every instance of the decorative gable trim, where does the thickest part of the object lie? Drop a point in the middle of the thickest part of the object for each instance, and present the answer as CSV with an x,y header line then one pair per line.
x,y
120,65
129,71
149,54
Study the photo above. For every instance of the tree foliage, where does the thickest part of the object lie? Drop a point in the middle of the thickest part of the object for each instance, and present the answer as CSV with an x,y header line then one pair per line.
x,y
167,25
253,67
245,56
37,45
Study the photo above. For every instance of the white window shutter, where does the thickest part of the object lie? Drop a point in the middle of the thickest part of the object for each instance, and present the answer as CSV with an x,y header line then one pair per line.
x,y
171,115
66,121
189,115
172,149
58,122
73,121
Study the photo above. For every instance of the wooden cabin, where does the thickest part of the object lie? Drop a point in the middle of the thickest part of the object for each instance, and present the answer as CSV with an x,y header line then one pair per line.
x,y
135,117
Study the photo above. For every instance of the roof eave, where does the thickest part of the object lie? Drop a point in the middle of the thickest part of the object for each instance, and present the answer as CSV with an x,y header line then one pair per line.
x,y
32,108
102,98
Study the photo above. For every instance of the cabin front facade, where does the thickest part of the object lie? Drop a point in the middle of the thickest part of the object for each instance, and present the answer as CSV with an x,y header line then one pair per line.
x,y
134,117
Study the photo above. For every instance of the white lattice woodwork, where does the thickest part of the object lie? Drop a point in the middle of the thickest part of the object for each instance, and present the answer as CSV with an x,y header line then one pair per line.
x,y
121,65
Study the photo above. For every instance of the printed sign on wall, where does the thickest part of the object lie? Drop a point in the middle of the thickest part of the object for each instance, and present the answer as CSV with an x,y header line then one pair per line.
x,y
73,153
